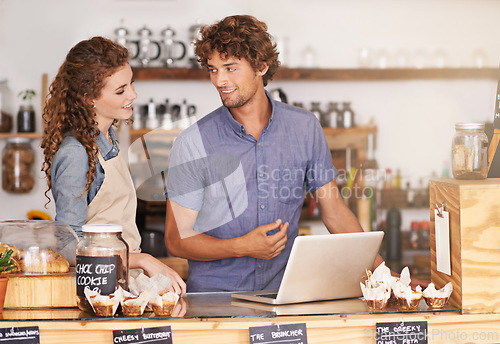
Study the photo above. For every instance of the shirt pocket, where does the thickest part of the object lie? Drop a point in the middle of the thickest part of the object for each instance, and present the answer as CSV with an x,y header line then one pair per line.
x,y
291,184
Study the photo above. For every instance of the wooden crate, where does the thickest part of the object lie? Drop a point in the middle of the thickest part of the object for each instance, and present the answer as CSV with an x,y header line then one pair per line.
x,y
41,291
474,215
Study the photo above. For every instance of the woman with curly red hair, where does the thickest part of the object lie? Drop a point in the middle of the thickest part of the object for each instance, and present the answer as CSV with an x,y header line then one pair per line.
x,y
89,180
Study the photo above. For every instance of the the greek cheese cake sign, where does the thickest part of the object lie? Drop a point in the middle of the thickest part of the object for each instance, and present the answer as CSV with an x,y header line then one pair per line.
x,y
282,334
410,332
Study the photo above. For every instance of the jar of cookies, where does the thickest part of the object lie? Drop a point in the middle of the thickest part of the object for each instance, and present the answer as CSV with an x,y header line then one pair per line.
x,y
470,151
17,165
101,262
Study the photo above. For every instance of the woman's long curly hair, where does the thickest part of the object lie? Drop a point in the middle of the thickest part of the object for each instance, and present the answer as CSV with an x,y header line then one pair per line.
x,y
240,36
69,107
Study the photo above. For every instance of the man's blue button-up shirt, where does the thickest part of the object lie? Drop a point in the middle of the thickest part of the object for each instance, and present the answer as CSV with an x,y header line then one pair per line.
x,y
237,183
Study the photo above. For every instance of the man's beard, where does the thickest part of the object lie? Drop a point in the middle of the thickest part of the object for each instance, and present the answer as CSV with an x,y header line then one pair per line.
x,y
236,103
233,103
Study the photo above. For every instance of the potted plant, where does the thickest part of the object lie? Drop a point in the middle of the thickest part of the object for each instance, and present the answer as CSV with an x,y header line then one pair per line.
x,y
7,264
26,114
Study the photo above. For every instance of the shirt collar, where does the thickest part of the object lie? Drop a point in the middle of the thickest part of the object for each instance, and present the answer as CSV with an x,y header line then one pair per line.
x,y
238,128
104,146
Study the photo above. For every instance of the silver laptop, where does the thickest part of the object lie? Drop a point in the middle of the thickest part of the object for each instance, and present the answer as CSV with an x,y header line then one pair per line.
x,y
322,267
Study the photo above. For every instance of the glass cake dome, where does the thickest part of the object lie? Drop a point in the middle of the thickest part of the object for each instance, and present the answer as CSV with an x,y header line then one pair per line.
x,y
39,246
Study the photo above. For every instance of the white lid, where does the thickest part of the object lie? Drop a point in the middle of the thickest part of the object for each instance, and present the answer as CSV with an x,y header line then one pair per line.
x,y
18,139
102,228
469,126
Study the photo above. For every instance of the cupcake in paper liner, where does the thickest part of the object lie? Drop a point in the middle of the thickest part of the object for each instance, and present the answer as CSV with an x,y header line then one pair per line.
x,y
163,305
376,296
104,305
404,277
162,283
139,284
133,305
406,297
403,280
437,299
159,284
382,274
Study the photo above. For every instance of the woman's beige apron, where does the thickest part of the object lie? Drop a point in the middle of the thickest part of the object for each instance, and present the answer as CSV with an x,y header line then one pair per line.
x,y
116,201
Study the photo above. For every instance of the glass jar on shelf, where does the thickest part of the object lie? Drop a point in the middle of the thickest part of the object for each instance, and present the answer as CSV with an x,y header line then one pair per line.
x,y
17,165
26,119
470,151
317,112
347,116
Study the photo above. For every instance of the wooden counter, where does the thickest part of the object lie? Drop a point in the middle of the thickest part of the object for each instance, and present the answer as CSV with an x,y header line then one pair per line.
x,y
216,318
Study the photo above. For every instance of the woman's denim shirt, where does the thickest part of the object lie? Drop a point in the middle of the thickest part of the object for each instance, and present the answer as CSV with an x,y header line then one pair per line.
x,y
69,176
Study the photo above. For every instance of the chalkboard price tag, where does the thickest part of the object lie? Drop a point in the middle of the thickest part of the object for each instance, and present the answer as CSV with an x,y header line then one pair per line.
x,y
20,335
414,332
158,335
282,334
98,273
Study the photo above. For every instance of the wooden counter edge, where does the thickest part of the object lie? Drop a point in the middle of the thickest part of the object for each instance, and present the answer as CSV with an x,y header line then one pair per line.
x,y
320,329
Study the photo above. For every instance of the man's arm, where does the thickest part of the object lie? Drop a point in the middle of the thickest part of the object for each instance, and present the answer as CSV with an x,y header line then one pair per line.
x,y
336,216
183,241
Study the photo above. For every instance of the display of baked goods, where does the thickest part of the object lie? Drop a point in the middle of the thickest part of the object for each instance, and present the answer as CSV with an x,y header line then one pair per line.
x,y
36,261
43,261
145,294
380,290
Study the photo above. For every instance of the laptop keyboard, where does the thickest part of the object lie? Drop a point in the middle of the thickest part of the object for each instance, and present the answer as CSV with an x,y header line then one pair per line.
x,y
270,296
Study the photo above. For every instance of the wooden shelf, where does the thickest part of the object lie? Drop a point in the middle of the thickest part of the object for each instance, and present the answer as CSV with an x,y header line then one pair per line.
x,y
328,131
24,135
385,74
316,74
366,129
166,74
140,132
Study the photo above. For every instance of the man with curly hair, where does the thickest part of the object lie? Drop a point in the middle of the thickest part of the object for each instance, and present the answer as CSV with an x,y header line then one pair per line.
x,y
237,178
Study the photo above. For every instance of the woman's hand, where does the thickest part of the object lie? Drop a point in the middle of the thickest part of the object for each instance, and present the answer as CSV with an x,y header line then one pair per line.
x,y
153,266
180,308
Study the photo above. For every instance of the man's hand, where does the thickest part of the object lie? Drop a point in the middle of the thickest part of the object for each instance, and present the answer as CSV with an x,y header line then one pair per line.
x,y
418,282
262,246
203,247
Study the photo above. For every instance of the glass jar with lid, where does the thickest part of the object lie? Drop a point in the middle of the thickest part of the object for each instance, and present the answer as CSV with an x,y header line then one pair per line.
x,y
470,151
101,261
17,165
